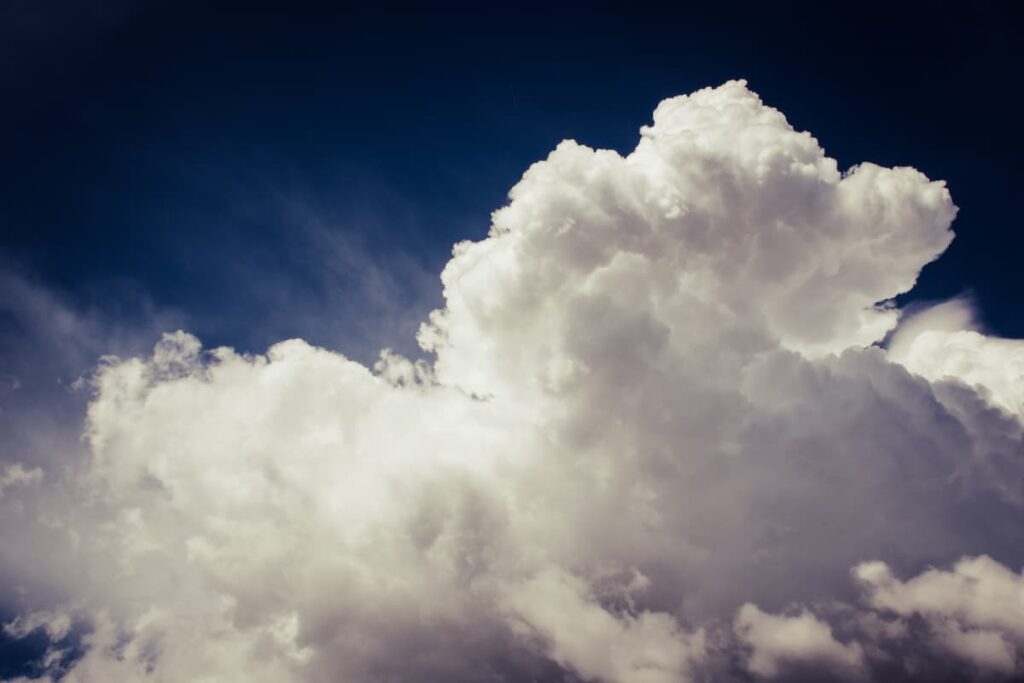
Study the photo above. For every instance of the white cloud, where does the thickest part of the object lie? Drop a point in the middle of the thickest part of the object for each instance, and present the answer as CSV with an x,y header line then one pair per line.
x,y
964,623
778,641
18,475
626,648
633,427
976,610
942,343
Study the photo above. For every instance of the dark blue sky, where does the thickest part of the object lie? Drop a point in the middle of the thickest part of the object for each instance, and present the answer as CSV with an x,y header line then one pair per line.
x,y
263,171
255,171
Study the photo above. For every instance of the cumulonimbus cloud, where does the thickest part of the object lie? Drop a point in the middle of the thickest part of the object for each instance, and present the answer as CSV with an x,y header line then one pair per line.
x,y
658,441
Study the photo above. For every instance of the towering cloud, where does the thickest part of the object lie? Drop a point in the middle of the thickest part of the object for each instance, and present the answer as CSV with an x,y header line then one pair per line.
x,y
657,441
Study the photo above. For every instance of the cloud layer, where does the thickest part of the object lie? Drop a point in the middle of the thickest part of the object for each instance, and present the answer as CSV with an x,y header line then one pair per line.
x,y
657,441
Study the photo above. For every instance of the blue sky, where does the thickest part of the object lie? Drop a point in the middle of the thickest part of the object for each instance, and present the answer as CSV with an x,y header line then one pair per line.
x,y
179,154
251,173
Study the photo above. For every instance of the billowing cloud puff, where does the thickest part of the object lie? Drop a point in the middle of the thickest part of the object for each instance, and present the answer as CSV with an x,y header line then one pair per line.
x,y
801,639
942,343
656,434
974,610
